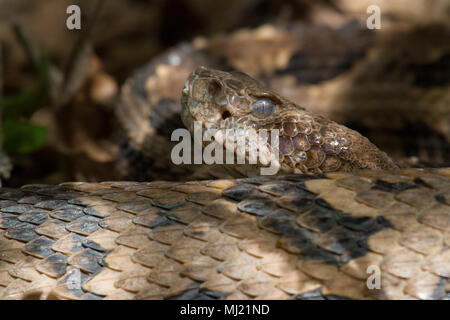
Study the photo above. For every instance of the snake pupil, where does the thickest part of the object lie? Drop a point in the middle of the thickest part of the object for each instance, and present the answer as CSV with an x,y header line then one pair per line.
x,y
263,108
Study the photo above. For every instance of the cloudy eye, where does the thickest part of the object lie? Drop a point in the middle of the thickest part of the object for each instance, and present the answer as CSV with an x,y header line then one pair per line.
x,y
263,108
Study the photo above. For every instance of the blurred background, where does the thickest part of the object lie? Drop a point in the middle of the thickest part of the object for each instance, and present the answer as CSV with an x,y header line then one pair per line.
x,y
60,86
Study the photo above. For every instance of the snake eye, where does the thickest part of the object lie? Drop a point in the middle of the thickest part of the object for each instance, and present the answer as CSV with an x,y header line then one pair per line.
x,y
263,108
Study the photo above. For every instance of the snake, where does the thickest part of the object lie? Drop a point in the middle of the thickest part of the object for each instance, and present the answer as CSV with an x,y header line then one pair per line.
x,y
340,220
396,98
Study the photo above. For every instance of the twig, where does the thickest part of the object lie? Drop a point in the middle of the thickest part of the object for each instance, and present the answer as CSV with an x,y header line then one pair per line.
x,y
27,44
80,49
5,163
1,106
1,98
35,56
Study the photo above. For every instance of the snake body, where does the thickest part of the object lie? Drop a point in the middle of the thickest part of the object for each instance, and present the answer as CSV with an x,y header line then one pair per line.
x,y
296,236
319,230
293,236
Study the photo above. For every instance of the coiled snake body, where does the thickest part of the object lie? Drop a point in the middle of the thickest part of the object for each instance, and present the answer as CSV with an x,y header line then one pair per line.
x,y
318,230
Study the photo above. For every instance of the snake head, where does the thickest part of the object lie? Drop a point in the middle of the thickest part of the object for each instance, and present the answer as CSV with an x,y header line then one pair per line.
x,y
308,143
217,98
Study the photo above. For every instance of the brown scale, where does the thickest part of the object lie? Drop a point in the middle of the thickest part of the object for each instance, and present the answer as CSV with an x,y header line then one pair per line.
x,y
294,236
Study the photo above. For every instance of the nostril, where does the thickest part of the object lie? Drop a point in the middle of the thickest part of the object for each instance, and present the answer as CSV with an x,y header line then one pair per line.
x,y
226,114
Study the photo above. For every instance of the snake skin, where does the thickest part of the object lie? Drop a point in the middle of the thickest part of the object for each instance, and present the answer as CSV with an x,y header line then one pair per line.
x,y
292,236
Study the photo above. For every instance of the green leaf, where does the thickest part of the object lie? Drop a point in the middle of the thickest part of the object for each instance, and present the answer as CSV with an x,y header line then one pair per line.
x,y
24,104
23,138
21,105
44,76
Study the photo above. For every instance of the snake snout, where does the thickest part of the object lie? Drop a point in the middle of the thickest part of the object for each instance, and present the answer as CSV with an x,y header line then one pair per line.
x,y
204,97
